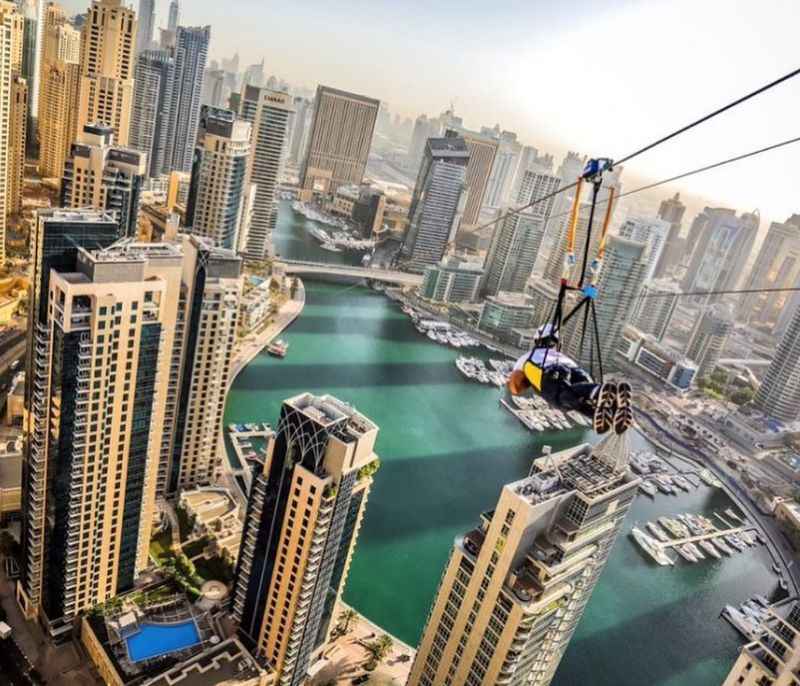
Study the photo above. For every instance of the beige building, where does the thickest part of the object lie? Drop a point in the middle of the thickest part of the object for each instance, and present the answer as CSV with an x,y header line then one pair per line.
x,y
209,309
515,587
103,325
18,119
774,659
306,509
108,37
59,73
217,203
482,151
339,142
12,24
10,485
103,175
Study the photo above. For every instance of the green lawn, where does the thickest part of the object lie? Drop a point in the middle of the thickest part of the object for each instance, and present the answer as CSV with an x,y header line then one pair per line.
x,y
214,569
161,546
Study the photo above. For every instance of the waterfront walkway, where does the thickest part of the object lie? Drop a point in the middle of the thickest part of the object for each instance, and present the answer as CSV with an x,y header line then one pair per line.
x,y
245,352
331,269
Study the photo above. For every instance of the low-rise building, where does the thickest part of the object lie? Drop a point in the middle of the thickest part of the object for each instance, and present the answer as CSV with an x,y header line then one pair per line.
x,y
754,431
10,485
773,659
668,366
15,401
787,512
504,312
193,656
453,280
256,304
216,516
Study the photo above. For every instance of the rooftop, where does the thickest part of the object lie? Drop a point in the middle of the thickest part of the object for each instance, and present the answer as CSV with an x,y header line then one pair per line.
x,y
10,471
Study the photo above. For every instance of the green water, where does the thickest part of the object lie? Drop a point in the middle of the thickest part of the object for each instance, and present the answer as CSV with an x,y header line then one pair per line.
x,y
447,447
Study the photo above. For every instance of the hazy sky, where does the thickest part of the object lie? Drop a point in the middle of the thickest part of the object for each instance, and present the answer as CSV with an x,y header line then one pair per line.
x,y
599,76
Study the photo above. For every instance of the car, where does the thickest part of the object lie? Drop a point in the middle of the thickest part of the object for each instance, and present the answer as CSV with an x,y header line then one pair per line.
x,y
364,678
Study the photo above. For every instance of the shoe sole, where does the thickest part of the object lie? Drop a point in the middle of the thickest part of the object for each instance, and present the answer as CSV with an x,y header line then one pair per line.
x,y
604,411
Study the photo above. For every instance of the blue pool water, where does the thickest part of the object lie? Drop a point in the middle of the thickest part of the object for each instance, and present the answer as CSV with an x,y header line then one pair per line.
x,y
155,640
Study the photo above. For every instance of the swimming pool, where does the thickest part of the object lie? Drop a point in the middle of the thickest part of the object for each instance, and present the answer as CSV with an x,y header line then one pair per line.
x,y
155,640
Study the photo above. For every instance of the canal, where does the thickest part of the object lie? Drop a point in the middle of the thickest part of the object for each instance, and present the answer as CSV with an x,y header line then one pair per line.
x,y
447,447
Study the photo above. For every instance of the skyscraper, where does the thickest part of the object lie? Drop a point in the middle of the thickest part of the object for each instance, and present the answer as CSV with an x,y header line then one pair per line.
x,y
303,116
59,234
777,266
301,526
651,232
518,238
779,393
654,309
151,115
102,175
515,586
424,128
482,152
268,111
618,286
191,53
32,11
671,210
504,169
207,319
721,248
12,27
174,16
708,338
147,25
437,203
107,61
218,191
18,129
58,116
339,142
774,657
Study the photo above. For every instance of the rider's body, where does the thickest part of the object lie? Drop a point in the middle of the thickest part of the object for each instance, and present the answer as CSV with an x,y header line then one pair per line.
x,y
564,384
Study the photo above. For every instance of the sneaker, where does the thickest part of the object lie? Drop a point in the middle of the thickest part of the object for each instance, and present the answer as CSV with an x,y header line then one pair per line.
x,y
605,405
623,419
624,394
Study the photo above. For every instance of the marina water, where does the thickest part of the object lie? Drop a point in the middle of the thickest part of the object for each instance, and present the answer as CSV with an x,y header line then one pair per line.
x,y
447,447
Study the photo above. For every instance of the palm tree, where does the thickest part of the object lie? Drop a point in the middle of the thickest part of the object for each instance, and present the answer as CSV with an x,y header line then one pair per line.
x,y
381,647
345,617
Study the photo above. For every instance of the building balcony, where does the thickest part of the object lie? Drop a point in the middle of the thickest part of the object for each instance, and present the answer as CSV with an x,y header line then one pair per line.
x,y
473,542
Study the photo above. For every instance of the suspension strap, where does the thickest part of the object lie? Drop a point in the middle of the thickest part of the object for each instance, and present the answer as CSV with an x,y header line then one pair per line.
x,y
597,263
569,259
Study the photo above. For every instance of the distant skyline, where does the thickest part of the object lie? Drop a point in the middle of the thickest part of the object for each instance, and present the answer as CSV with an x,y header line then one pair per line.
x,y
598,77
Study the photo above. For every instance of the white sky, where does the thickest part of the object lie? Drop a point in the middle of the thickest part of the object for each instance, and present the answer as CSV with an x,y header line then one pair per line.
x,y
599,76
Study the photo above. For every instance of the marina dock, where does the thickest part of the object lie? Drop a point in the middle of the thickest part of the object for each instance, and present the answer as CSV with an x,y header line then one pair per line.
x,y
705,537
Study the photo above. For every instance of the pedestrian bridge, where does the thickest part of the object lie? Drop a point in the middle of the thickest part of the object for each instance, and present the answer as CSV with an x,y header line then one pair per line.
x,y
330,269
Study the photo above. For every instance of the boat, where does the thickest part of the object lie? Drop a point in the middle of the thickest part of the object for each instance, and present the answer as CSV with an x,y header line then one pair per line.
x,y
663,486
708,546
734,541
721,545
694,550
649,488
684,553
784,586
278,348
733,515
682,483
657,531
709,479
651,547
330,247
777,569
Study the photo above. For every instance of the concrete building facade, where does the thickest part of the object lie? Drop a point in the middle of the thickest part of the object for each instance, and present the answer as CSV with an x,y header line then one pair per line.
x,y
453,280
708,338
515,587
339,141
217,202
302,522
107,61
102,175
268,111
437,204
779,393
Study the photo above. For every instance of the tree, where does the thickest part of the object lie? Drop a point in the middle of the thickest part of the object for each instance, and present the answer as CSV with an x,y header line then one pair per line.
x,y
345,617
741,396
380,647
